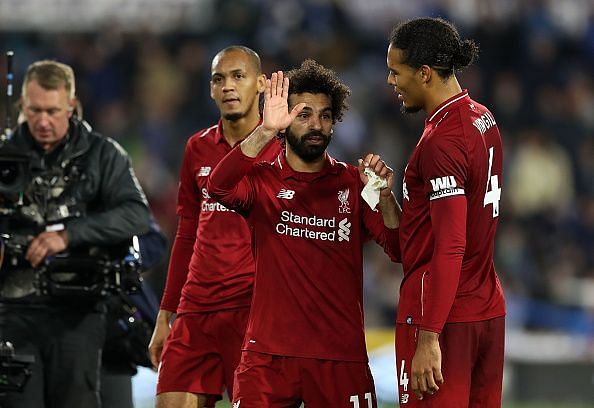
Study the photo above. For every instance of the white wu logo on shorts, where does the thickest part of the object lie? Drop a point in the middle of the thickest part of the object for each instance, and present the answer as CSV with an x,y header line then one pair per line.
x,y
236,404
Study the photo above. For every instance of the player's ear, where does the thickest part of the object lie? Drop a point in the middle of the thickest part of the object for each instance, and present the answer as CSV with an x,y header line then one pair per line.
x,y
425,72
261,83
72,106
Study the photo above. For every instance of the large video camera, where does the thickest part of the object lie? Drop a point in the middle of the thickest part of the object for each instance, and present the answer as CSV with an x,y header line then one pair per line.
x,y
14,164
27,205
34,198
93,271
14,170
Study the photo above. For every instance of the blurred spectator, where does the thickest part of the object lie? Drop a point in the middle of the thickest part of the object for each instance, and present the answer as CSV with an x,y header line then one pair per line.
x,y
540,179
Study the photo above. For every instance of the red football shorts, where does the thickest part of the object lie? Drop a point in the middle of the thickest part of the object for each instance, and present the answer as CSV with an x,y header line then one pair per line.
x,y
472,365
266,380
202,352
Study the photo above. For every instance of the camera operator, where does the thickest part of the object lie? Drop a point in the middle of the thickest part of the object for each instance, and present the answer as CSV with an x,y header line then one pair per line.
x,y
82,193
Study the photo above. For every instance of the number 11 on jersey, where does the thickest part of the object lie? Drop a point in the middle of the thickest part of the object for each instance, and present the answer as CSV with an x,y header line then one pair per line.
x,y
492,195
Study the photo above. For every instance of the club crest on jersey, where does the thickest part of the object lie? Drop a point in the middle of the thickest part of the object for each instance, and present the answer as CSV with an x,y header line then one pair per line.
x,y
444,187
204,171
343,198
286,194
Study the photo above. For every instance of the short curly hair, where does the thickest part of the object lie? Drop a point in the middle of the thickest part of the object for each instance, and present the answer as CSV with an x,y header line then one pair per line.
x,y
314,78
434,42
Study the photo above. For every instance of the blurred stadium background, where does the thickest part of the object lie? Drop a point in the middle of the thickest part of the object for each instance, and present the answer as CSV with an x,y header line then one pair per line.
x,y
143,66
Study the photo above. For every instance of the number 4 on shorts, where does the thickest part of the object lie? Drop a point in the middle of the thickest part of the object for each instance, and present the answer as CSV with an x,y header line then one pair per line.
x,y
403,379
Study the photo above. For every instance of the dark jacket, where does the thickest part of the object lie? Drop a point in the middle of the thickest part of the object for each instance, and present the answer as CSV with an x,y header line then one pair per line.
x,y
99,201
116,206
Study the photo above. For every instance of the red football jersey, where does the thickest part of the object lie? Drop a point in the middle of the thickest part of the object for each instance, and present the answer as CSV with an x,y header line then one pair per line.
x,y
211,256
451,196
308,230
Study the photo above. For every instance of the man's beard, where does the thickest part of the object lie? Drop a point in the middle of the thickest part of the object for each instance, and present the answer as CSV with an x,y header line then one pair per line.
x,y
307,153
409,109
233,117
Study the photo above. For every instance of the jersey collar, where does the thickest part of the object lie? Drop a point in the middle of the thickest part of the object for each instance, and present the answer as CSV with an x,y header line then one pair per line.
x,y
220,138
331,166
446,106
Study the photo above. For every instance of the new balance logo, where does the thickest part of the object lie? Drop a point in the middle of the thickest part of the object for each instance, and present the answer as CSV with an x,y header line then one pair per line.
x,y
236,404
286,194
344,230
204,171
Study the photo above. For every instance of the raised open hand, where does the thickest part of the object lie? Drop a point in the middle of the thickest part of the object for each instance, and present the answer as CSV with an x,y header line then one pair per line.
x,y
276,115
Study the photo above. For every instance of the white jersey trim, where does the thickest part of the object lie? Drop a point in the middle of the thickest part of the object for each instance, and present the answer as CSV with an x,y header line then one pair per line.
x,y
205,131
464,95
